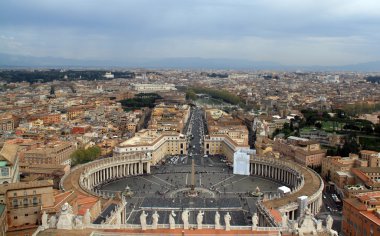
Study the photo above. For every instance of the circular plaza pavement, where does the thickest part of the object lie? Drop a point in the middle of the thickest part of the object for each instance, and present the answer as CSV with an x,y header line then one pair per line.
x,y
218,190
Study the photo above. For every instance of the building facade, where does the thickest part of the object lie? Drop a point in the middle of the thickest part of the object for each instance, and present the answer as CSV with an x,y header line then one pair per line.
x,y
361,214
156,144
53,153
24,202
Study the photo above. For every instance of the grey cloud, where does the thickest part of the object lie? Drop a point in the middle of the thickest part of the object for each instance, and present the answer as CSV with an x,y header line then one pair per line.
x,y
293,31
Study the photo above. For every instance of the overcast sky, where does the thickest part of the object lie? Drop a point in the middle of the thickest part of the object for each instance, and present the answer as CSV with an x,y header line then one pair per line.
x,y
290,32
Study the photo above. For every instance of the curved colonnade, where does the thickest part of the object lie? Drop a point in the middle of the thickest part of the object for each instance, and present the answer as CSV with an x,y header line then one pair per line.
x,y
302,182
111,169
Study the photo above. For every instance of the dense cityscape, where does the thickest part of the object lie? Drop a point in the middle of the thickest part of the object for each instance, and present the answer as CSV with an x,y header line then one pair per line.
x,y
158,142
228,117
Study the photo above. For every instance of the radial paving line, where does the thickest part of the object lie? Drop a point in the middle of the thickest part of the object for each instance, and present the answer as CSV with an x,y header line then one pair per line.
x,y
236,181
163,180
149,181
222,181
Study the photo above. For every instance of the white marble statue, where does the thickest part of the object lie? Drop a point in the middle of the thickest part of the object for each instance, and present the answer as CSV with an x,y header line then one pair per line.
x,y
307,225
319,225
143,220
172,220
255,221
284,220
217,220
200,219
329,222
52,222
44,220
155,217
66,217
87,217
118,218
227,220
185,219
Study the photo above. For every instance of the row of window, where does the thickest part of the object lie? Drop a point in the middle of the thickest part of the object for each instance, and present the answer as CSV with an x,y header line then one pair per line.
x,y
25,202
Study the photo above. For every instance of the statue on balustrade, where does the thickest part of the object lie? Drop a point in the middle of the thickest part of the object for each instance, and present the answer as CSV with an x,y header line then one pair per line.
x,y
227,220
155,217
185,219
172,220
255,221
217,220
66,217
87,217
143,220
200,219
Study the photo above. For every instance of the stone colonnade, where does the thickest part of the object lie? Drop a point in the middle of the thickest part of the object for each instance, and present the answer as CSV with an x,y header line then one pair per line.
x,y
114,168
290,174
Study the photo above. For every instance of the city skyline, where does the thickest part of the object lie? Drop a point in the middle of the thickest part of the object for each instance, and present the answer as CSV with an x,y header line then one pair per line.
x,y
303,33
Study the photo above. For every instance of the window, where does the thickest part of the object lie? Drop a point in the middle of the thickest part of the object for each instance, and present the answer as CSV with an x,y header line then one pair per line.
x,y
26,214
25,202
35,201
15,203
4,171
15,217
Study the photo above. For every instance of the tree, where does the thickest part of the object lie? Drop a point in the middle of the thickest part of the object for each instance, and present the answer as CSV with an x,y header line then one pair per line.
x,y
81,155
350,146
191,95
377,129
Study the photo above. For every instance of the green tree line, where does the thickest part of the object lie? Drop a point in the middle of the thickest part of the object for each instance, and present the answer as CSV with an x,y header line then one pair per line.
x,y
82,155
214,93
140,100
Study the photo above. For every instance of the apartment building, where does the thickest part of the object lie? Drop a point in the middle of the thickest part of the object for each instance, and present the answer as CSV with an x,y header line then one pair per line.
x,y
8,122
372,157
304,151
361,214
368,176
24,202
157,144
169,117
52,153
148,88
226,134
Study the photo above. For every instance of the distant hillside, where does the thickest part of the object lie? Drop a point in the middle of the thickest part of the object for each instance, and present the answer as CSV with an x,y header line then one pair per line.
x,y
15,61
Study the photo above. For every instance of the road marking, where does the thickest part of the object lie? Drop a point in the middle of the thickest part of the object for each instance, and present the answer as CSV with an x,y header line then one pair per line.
x,y
186,179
